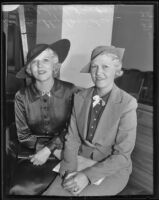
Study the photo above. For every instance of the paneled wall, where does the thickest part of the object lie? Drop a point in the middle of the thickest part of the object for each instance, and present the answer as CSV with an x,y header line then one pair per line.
x,y
142,175
133,30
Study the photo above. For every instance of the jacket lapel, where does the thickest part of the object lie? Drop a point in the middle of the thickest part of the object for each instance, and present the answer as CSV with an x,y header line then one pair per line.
x,y
83,104
109,116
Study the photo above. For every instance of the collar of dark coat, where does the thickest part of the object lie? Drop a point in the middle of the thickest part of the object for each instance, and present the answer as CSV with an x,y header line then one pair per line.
x,y
56,90
115,95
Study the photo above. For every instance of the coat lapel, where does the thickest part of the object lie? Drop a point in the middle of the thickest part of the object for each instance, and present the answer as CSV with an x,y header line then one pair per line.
x,y
109,116
84,102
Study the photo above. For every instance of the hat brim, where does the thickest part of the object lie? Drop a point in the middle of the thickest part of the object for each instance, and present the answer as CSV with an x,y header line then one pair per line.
x,y
61,47
86,68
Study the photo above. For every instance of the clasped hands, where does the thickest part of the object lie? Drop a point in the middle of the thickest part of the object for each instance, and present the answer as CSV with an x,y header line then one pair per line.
x,y
75,182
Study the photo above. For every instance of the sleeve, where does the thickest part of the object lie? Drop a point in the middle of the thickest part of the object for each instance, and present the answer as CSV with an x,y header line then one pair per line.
x,y
124,144
58,141
72,143
24,134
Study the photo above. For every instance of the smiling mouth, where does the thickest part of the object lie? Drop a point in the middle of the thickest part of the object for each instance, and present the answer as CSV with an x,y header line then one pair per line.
x,y
99,78
41,72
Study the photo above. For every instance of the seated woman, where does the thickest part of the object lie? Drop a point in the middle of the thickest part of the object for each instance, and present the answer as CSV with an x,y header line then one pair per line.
x,y
102,130
42,113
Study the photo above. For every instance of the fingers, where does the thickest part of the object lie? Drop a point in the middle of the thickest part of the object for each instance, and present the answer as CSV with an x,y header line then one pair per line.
x,y
77,183
36,163
35,160
69,184
75,190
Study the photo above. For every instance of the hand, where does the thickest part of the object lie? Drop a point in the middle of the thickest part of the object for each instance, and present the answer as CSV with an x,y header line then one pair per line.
x,y
58,142
75,182
41,156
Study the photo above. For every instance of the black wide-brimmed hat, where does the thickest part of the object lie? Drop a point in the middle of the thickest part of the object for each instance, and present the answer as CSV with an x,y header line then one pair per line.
x,y
60,47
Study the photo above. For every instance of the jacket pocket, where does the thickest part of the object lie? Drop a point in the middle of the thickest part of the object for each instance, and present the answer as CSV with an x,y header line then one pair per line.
x,y
101,152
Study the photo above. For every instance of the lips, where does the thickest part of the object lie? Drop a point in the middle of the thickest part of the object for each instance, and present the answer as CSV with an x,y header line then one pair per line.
x,y
99,78
41,72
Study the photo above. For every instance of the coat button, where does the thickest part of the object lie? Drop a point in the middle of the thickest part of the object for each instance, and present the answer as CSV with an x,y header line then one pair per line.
x,y
47,122
45,100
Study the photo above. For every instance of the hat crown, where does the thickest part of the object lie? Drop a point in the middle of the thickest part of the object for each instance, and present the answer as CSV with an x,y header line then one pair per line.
x,y
119,52
35,51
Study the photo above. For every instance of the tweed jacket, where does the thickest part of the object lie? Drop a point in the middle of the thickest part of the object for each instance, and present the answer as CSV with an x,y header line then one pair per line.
x,y
114,137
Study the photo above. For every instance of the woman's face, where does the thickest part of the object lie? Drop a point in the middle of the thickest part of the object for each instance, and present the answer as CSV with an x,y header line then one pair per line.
x,y
103,70
42,66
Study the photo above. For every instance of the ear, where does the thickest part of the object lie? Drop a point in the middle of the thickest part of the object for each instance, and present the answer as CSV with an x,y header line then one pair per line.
x,y
118,73
55,59
56,70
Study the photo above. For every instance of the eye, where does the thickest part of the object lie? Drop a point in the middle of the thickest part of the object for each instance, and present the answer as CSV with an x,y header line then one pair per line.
x,y
105,66
46,60
93,67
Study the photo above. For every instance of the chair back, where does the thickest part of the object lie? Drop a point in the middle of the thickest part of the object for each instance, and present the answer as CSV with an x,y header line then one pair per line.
x,y
131,81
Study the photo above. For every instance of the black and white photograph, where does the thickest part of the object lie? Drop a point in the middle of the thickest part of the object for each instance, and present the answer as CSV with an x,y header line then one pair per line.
x,y
79,100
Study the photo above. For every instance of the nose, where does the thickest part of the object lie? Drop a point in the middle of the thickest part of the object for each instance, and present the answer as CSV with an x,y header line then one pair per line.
x,y
38,63
99,70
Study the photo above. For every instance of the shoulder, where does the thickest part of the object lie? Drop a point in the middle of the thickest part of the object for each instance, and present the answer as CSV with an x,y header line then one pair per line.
x,y
84,91
22,93
83,94
65,89
128,100
65,84
68,87
127,97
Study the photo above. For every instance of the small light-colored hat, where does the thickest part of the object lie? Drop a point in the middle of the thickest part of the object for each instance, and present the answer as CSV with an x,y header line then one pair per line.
x,y
61,47
119,52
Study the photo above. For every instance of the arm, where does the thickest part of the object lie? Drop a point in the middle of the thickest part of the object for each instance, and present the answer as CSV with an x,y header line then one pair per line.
x,y
72,143
124,144
58,141
24,134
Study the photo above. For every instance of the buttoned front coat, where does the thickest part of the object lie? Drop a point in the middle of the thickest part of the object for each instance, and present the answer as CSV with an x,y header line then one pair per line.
x,y
43,116
114,137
